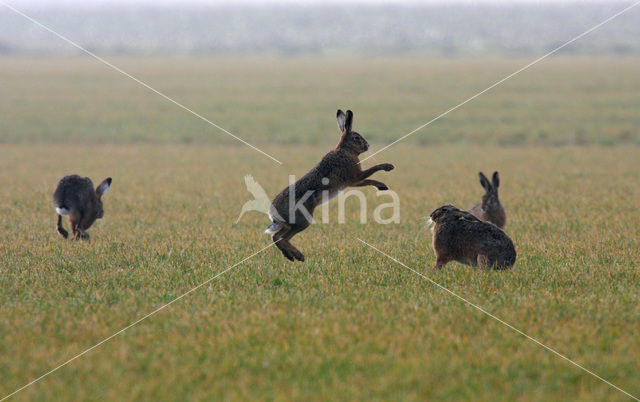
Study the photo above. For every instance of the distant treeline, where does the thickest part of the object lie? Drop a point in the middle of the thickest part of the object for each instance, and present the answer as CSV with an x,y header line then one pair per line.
x,y
372,30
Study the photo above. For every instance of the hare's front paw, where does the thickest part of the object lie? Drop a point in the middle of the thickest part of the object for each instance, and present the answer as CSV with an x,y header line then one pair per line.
x,y
83,236
382,187
387,167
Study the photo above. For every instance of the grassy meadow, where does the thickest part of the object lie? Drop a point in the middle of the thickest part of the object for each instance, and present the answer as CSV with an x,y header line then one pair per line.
x,y
348,323
293,101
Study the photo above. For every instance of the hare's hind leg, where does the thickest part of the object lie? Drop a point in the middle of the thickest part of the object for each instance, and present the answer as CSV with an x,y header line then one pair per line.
x,y
483,260
292,232
282,237
85,223
60,229
281,243
74,220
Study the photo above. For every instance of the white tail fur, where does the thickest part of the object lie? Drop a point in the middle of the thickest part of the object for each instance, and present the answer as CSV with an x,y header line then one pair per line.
x,y
62,211
273,228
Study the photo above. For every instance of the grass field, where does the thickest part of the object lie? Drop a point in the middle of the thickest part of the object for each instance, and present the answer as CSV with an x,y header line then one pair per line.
x,y
265,101
348,323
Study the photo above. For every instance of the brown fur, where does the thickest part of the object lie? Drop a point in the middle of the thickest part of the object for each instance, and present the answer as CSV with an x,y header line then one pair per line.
x,y
460,236
84,203
490,210
341,166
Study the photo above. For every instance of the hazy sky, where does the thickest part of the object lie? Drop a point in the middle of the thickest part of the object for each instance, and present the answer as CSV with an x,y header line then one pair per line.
x,y
19,3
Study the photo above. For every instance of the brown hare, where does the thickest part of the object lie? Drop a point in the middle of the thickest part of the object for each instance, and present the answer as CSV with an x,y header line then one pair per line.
x,y
460,236
490,209
76,197
291,211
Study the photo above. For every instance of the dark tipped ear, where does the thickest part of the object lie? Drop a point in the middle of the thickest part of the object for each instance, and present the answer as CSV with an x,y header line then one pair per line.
x,y
484,181
342,118
103,187
347,124
495,180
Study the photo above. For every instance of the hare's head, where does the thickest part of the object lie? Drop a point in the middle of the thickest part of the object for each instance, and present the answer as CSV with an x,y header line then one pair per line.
x,y
100,190
449,213
440,214
350,139
490,198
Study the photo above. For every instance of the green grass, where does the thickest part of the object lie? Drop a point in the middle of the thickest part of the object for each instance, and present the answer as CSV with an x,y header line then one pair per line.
x,y
348,323
556,102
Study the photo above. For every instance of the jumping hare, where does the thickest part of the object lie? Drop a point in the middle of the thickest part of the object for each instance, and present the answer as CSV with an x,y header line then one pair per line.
x,y
76,197
291,211
460,236
490,210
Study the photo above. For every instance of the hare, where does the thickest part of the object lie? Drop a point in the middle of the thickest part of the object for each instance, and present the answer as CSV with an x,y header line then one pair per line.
x,y
76,197
490,210
291,211
460,236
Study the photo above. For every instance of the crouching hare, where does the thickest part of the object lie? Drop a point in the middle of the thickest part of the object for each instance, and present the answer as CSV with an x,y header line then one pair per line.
x,y
460,236
490,210
291,211
76,197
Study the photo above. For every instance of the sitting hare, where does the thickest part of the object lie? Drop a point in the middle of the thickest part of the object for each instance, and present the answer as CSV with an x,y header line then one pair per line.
x,y
460,236
76,197
490,210
291,211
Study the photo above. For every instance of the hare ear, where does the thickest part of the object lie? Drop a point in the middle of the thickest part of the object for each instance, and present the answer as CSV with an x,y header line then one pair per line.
x,y
342,118
347,123
484,181
103,187
495,180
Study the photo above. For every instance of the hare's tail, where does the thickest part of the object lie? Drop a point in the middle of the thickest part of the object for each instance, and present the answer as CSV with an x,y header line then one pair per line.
x,y
274,228
62,211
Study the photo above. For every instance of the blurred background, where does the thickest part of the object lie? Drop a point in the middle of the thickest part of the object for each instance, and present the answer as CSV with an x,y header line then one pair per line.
x,y
275,71
314,28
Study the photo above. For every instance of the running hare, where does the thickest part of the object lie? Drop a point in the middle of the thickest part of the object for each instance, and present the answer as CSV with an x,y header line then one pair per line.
x,y
76,197
291,211
490,210
460,236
